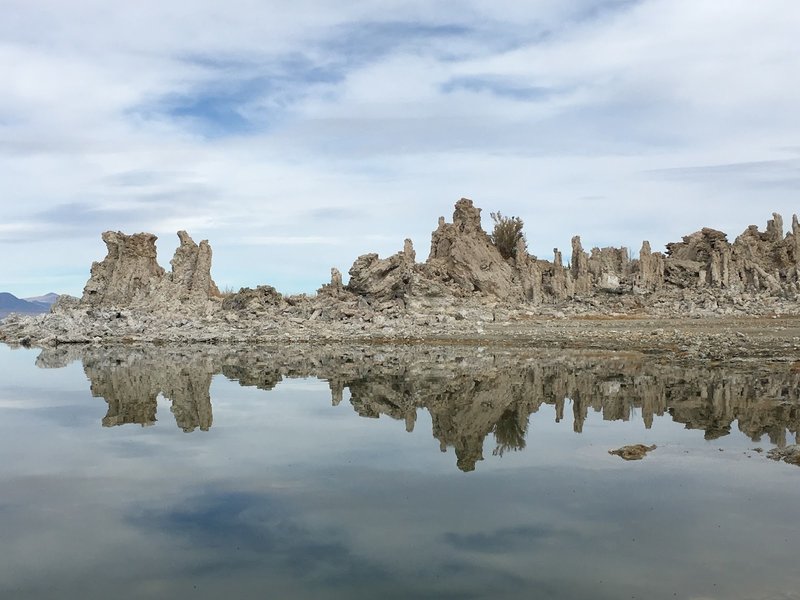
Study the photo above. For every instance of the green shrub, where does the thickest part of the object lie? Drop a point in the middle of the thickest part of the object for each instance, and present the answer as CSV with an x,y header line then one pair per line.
x,y
506,233
509,433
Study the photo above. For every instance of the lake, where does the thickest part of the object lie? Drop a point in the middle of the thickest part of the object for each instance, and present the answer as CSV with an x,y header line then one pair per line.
x,y
393,472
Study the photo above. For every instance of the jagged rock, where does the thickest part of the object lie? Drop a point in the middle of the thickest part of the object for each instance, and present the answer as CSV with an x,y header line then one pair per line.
x,y
336,279
794,242
651,268
529,274
464,283
191,269
384,279
580,267
130,275
763,261
335,289
556,279
254,300
127,274
464,251
610,267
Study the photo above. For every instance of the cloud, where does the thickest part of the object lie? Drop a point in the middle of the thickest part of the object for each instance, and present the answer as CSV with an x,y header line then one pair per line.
x,y
242,530
498,87
759,174
248,121
502,540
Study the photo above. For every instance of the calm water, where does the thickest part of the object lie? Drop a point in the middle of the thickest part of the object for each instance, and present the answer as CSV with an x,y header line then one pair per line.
x,y
392,473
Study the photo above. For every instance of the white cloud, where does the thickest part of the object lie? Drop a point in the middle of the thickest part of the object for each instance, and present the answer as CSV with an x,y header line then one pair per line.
x,y
313,122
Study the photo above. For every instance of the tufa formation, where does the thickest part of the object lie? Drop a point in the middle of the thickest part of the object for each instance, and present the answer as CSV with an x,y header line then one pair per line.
x,y
465,283
130,275
464,262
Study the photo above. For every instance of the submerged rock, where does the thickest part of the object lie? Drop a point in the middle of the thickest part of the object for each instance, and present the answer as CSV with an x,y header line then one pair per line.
x,y
788,454
632,452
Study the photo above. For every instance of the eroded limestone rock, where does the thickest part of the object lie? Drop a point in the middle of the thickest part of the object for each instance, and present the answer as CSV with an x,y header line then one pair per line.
x,y
130,275
191,269
390,278
465,253
129,272
464,263
255,301
650,269
465,280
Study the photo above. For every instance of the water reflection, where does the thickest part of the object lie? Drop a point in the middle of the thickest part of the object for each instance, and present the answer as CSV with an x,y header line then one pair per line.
x,y
469,393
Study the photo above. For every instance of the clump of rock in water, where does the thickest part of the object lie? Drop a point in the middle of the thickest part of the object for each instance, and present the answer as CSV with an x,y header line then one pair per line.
x,y
788,454
633,452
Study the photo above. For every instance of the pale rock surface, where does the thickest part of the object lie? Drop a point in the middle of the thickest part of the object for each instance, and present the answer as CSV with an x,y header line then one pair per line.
x,y
464,285
129,272
130,275
464,251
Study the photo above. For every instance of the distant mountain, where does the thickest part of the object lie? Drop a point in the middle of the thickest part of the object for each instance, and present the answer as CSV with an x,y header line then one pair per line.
x,y
48,299
9,303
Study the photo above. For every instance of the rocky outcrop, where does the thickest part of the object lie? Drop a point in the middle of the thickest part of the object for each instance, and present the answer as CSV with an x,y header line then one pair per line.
x,y
254,301
580,268
390,279
463,252
191,270
649,269
755,262
130,276
464,283
464,263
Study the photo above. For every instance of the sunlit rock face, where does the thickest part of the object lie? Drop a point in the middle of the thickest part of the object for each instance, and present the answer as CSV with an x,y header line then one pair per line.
x,y
470,394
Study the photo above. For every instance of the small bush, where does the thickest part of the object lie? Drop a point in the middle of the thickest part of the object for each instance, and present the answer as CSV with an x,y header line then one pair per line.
x,y
506,233
509,433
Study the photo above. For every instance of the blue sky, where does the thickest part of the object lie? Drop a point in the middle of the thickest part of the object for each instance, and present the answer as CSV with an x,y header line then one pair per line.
x,y
297,136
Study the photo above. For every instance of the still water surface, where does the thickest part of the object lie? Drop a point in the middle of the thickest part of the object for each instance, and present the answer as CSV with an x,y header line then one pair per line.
x,y
392,473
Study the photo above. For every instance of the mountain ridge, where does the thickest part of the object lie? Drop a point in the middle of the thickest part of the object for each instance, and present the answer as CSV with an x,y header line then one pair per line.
x,y
9,303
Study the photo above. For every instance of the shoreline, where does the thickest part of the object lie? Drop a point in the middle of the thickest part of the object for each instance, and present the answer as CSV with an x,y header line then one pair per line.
x,y
705,299
773,339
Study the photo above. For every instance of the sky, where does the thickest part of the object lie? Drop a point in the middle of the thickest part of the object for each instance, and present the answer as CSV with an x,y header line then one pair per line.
x,y
297,136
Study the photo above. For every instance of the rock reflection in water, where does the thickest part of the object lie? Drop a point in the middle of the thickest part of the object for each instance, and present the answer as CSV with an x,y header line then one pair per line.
x,y
469,392
131,383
